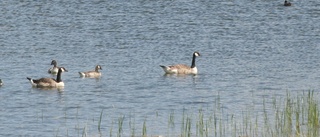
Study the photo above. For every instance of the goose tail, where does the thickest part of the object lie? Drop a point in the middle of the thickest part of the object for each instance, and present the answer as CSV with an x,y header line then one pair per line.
x,y
82,74
33,83
29,79
163,66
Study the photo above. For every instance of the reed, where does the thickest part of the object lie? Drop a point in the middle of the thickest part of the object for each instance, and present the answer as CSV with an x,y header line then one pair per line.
x,y
132,126
99,123
186,125
171,120
84,133
291,116
200,124
110,132
144,128
313,116
120,124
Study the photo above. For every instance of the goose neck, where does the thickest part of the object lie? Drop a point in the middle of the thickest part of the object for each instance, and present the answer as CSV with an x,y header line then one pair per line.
x,y
59,75
193,64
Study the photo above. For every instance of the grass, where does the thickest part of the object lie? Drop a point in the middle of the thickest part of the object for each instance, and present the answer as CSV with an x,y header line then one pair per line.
x,y
291,116
100,119
120,125
144,129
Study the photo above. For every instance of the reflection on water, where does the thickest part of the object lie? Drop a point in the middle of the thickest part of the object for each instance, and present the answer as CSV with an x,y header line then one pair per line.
x,y
59,89
179,75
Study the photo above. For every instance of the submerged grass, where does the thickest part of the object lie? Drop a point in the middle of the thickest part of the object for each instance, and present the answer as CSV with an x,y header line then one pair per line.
x,y
290,117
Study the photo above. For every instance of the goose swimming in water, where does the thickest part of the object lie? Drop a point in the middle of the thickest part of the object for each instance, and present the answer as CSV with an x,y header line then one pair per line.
x,y
286,3
54,69
181,68
92,74
49,82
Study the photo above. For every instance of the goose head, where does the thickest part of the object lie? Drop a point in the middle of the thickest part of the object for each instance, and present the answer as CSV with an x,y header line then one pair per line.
x,y
196,54
98,67
54,62
62,69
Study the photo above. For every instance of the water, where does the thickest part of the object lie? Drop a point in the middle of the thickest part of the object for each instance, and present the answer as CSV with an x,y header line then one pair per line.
x,y
249,50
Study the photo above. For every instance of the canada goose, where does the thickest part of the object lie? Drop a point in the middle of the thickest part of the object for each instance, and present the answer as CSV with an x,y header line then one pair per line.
x,y
1,83
92,74
49,82
181,68
286,3
54,69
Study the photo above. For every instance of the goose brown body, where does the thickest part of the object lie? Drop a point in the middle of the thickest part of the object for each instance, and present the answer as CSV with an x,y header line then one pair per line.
x,y
49,82
92,74
181,68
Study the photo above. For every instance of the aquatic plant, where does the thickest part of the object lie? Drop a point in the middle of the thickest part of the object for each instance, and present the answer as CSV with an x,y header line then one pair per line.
x,y
277,116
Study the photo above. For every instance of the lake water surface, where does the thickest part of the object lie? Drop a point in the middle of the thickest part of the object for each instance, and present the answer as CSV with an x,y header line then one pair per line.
x,y
250,49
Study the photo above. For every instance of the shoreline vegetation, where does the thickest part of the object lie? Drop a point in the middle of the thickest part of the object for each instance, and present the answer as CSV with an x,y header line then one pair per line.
x,y
289,116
